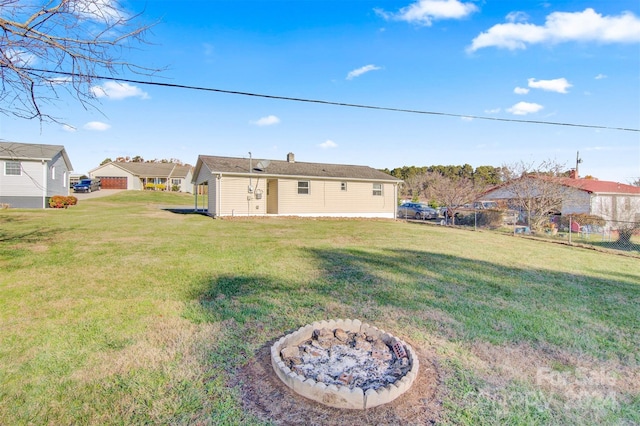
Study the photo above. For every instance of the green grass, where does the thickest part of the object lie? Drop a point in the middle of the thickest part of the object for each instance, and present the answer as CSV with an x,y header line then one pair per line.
x,y
116,311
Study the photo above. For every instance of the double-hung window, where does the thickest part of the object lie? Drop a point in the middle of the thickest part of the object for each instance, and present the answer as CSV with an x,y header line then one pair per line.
x,y
12,168
303,187
377,189
343,186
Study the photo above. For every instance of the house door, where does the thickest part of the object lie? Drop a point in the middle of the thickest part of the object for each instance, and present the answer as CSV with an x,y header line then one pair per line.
x,y
272,196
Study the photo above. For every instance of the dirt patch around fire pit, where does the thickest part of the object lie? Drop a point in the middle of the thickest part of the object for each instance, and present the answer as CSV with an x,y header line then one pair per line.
x,y
265,396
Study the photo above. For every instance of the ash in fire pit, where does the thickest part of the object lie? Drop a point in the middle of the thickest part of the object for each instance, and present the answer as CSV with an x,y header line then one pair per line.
x,y
345,364
352,359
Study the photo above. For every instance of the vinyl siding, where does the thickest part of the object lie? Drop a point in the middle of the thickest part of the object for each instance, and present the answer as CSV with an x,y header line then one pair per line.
x,y
31,183
57,180
326,198
37,183
234,193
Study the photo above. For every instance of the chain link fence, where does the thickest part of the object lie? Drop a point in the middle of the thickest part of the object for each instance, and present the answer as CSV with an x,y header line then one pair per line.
x,y
623,236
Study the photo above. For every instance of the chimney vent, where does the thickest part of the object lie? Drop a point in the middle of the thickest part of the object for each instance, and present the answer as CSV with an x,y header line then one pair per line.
x,y
291,158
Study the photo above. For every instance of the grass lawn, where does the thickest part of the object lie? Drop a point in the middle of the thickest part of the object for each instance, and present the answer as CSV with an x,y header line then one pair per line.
x,y
116,311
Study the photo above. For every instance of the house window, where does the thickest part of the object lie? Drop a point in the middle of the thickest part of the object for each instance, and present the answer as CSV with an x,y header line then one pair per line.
x,y
343,186
12,168
64,179
377,189
176,181
303,187
53,172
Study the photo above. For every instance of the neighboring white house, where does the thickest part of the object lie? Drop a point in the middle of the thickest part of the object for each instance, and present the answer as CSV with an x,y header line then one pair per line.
x,y
612,201
250,187
137,176
32,173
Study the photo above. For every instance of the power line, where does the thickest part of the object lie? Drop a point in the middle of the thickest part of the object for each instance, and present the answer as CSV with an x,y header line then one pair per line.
x,y
333,103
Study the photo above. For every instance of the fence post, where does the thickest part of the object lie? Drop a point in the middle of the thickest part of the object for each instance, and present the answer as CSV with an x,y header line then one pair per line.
x,y
570,229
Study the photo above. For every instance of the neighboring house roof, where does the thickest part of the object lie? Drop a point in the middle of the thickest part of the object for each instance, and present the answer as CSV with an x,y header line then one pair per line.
x,y
241,166
33,152
592,186
150,170
600,186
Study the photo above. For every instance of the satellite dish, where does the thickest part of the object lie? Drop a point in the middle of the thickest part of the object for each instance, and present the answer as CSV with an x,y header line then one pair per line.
x,y
262,164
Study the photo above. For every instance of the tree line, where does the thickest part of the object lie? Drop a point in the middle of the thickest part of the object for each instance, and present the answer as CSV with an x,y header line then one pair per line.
x,y
139,159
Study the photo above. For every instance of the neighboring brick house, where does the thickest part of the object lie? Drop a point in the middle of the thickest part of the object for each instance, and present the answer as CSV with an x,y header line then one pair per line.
x,y
137,176
612,201
249,187
32,173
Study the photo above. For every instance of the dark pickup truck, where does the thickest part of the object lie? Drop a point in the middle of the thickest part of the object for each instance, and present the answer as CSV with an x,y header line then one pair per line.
x,y
87,185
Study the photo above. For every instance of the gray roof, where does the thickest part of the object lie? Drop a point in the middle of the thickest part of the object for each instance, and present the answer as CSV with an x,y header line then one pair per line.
x,y
232,165
32,151
149,170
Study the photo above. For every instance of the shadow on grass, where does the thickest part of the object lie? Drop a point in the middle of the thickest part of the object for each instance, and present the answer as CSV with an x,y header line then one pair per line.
x,y
476,300
617,245
186,211
31,236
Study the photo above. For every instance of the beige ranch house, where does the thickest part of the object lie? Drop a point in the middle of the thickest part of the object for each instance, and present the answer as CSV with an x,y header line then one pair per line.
x,y
147,175
251,187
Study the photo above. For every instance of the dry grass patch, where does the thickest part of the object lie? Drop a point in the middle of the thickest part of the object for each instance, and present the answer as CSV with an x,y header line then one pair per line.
x,y
167,341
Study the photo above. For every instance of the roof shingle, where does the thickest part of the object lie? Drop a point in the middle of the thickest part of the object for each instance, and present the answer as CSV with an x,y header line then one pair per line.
x,y
298,169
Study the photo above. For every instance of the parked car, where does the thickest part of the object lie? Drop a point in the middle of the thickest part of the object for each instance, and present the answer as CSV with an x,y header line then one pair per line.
x,y
417,211
87,185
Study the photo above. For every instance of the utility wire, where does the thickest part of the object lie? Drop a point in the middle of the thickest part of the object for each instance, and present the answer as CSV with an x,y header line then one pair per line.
x,y
342,104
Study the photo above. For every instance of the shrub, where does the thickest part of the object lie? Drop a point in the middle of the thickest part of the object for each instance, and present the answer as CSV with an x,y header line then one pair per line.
x,y
175,188
155,186
58,202
581,219
62,202
484,218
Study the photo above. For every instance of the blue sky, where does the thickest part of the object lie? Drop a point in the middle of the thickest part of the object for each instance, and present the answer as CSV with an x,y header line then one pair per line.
x,y
572,62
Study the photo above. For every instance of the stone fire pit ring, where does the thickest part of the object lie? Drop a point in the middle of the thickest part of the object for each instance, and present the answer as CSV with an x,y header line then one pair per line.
x,y
339,396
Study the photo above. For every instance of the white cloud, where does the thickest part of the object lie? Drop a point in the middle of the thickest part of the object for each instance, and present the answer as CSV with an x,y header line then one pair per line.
x,y
106,11
424,12
97,126
21,58
562,27
328,144
61,80
517,17
559,85
68,128
269,120
520,90
600,76
118,91
466,118
492,111
524,108
362,70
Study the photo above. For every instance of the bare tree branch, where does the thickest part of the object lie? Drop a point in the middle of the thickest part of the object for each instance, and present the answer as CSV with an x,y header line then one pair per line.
x,y
82,37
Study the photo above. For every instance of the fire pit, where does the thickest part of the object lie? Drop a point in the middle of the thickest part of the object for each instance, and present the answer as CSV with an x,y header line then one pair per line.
x,y
345,364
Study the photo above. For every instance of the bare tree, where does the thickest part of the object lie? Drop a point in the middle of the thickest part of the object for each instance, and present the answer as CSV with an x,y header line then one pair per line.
x,y
51,45
450,192
536,190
